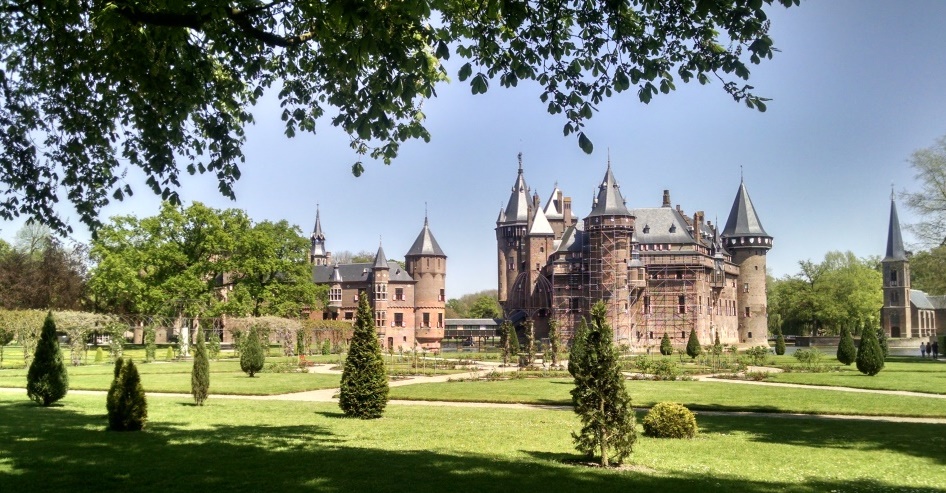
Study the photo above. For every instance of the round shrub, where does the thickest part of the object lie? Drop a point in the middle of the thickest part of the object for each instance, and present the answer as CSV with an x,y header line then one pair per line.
x,y
670,420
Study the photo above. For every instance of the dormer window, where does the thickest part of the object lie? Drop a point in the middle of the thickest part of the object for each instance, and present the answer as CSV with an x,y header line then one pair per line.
x,y
646,228
673,228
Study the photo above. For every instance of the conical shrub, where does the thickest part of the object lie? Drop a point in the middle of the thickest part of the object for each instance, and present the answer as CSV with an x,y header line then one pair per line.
x,y
200,373
47,380
666,347
252,353
693,345
779,343
870,357
846,350
126,404
364,388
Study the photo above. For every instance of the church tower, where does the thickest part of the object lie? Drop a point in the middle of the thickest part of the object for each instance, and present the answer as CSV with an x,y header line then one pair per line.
x,y
610,228
317,253
895,316
380,275
427,265
511,228
746,239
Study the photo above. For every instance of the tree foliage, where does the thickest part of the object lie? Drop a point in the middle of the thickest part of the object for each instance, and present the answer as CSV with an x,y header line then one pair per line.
x,y
167,87
693,344
461,307
42,272
600,398
842,290
47,380
200,372
555,341
364,386
870,356
666,347
125,402
779,342
252,352
847,353
928,270
929,203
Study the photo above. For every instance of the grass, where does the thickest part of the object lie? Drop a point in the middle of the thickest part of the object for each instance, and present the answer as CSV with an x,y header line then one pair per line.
x,y
225,378
715,396
899,373
294,446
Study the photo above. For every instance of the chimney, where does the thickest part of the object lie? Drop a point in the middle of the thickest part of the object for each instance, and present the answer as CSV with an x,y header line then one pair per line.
x,y
698,226
567,211
666,202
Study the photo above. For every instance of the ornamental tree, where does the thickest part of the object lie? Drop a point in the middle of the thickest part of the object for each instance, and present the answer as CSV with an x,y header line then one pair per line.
x,y
47,380
252,352
693,345
600,398
666,347
200,373
125,402
168,87
364,388
846,350
870,356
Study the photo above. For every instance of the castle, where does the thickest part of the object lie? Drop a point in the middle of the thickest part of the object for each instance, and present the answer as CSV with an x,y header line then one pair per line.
x,y
657,270
408,302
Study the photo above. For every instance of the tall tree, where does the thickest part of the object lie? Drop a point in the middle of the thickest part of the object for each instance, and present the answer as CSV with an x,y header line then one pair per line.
x,y
47,380
929,167
600,398
364,387
928,270
200,372
485,306
42,272
168,86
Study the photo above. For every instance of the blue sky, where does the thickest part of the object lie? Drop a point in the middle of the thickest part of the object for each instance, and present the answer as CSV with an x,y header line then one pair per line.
x,y
858,86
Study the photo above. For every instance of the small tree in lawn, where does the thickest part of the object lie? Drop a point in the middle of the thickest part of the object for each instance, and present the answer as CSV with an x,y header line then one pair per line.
x,y
555,341
47,380
779,342
666,347
252,354
530,341
513,341
870,357
126,404
151,348
504,330
200,373
600,398
846,350
693,345
364,387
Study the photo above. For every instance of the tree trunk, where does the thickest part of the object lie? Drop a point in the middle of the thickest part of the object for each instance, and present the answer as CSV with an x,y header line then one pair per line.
x,y
602,436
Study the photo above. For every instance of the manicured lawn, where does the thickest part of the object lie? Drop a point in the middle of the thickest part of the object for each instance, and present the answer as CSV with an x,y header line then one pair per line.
x,y
225,378
293,446
716,396
899,373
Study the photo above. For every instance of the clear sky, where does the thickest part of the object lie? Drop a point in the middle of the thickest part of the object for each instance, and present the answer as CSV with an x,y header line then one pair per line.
x,y
858,86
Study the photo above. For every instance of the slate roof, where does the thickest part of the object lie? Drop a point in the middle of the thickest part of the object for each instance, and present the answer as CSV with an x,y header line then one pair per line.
x,y
323,274
380,262
895,250
425,244
472,321
743,220
540,225
661,225
920,300
517,210
609,201
553,208
573,239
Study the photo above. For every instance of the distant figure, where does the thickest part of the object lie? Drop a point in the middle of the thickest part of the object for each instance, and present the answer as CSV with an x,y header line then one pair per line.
x,y
922,350
929,349
935,350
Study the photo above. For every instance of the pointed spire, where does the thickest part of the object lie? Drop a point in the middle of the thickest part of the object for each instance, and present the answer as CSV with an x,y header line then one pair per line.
x,y
609,201
380,261
743,220
336,275
895,250
540,224
554,208
426,244
317,230
517,210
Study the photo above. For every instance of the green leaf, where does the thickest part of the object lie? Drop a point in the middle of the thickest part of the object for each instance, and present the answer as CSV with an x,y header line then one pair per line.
x,y
357,169
443,51
465,72
585,143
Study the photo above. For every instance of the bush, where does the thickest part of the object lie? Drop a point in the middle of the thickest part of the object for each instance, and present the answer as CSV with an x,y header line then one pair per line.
x,y
47,380
882,340
169,355
364,386
252,353
811,358
642,364
846,351
779,343
326,347
666,347
758,354
200,372
670,420
126,404
150,336
870,357
99,355
665,369
693,345
213,346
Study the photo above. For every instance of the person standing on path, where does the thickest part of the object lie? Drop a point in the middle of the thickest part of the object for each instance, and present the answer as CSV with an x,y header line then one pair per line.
x,y
929,349
935,349
922,350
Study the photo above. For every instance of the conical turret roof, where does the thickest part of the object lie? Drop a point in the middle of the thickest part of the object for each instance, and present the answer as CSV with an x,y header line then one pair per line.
x,y
425,244
380,261
517,209
317,229
895,250
554,208
540,224
609,201
743,220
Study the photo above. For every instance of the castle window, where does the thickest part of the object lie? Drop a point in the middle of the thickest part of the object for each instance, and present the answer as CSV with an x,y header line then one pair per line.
x,y
682,304
646,305
893,278
440,320
379,318
426,320
335,295
747,312
381,292
349,315
399,294
442,296
399,320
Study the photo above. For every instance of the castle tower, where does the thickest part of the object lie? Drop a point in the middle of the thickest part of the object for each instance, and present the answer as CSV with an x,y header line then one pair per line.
x,y
427,265
380,275
511,228
895,316
317,253
610,227
748,243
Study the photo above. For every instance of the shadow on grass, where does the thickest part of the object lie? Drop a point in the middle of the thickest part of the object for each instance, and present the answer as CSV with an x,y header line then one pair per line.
x,y
64,450
842,434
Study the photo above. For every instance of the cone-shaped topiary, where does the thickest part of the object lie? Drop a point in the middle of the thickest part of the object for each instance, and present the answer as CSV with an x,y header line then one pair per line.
x,y
200,373
669,420
513,341
47,380
252,354
169,354
99,355
364,389
882,340
600,398
870,357
846,350
693,345
126,403
779,342
666,347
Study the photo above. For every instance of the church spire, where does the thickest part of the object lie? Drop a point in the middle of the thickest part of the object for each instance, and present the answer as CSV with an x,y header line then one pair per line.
x,y
317,253
517,210
895,250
